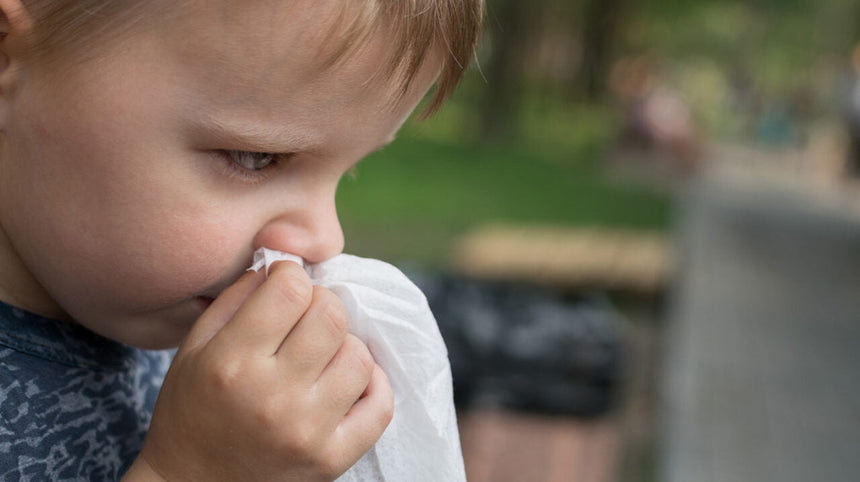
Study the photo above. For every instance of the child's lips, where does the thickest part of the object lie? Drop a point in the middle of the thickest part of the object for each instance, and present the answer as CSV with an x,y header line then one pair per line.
x,y
209,293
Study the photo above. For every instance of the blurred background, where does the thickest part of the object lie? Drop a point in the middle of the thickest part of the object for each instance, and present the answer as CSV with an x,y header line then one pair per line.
x,y
638,224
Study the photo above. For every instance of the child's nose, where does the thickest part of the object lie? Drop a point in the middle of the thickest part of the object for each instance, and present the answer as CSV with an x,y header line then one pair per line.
x,y
314,234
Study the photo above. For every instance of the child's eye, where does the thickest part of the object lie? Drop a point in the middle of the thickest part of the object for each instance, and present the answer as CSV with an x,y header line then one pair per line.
x,y
252,161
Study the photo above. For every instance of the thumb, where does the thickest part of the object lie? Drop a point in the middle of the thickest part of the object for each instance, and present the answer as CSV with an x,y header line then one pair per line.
x,y
222,310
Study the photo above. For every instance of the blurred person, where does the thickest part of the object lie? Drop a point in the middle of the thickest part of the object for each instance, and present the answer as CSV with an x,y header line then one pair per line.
x,y
656,116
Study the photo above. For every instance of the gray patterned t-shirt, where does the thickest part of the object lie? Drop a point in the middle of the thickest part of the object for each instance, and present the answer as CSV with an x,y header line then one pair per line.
x,y
73,405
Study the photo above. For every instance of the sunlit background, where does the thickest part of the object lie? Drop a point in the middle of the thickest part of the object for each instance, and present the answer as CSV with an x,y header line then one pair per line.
x,y
638,224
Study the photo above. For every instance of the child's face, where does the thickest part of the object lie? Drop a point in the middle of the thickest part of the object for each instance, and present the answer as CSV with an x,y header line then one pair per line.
x,y
115,190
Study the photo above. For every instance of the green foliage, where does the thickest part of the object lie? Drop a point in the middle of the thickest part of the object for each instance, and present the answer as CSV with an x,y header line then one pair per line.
x,y
437,180
735,61
776,41
411,200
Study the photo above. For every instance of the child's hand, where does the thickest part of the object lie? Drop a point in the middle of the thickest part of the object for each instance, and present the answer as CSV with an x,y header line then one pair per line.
x,y
268,385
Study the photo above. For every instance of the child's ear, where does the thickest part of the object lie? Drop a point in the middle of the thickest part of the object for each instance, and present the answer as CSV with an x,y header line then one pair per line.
x,y
15,27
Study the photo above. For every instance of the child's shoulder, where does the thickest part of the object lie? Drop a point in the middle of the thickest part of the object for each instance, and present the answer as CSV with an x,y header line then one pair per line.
x,y
72,404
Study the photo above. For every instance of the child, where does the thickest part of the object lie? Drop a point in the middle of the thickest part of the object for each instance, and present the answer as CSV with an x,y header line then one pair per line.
x,y
148,148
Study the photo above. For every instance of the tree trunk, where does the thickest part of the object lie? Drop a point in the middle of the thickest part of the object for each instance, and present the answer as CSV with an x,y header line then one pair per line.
x,y
507,23
602,21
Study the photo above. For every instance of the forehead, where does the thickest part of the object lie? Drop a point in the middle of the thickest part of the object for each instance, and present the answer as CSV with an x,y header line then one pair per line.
x,y
252,44
264,65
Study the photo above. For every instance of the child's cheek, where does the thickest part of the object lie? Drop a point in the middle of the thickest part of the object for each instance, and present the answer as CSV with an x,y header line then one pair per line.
x,y
149,254
177,260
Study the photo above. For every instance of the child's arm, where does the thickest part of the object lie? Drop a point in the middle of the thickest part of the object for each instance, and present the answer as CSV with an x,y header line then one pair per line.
x,y
267,386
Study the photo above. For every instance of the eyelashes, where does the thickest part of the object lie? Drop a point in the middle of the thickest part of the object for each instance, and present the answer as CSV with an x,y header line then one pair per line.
x,y
248,166
252,161
252,167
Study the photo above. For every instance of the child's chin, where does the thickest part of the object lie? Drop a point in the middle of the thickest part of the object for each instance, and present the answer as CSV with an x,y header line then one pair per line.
x,y
167,330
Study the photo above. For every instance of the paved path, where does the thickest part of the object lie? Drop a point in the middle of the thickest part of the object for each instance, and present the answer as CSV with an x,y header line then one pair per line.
x,y
763,363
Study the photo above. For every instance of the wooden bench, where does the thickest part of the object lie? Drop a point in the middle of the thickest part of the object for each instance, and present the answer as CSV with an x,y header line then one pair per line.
x,y
567,257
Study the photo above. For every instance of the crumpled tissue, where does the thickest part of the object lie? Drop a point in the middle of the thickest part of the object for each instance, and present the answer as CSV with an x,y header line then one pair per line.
x,y
390,314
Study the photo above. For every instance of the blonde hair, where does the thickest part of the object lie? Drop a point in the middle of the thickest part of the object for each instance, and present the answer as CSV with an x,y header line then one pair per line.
x,y
420,27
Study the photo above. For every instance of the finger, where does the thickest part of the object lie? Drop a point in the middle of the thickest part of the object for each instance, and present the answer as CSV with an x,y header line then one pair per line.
x,y
222,309
370,415
316,338
346,377
262,323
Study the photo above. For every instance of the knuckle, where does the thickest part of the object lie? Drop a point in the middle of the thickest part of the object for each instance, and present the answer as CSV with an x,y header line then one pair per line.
x,y
293,283
360,355
302,442
332,312
225,374
385,410
267,413
386,413
355,371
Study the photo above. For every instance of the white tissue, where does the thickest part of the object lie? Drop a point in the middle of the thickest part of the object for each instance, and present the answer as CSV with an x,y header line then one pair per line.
x,y
390,314
265,257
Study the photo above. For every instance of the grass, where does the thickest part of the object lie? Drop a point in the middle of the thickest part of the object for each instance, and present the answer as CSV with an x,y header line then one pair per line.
x,y
411,200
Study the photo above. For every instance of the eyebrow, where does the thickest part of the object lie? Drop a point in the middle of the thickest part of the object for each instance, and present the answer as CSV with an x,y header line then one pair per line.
x,y
261,138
